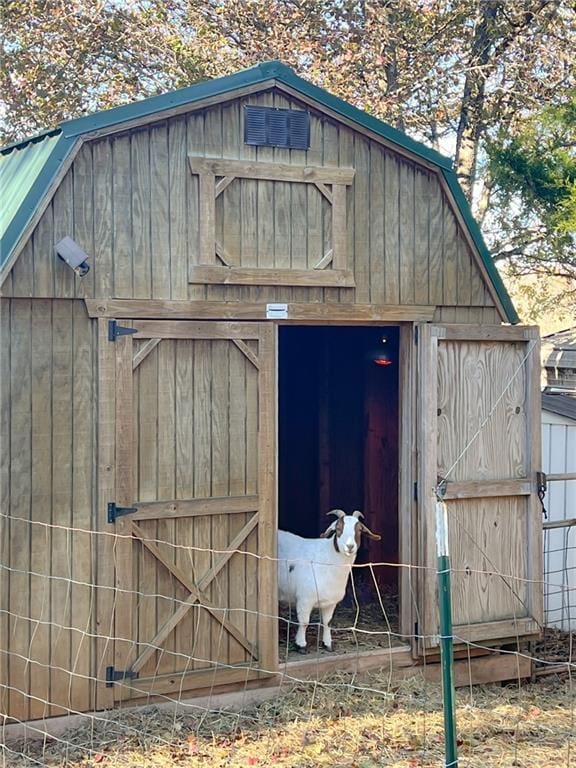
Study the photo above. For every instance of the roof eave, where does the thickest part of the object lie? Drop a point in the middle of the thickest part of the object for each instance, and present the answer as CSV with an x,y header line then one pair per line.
x,y
260,74
156,105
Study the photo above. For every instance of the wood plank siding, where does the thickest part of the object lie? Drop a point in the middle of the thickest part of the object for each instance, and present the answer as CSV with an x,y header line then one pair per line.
x,y
132,203
48,392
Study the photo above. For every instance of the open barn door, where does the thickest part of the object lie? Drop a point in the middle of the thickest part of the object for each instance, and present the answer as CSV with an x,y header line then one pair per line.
x,y
195,504
479,402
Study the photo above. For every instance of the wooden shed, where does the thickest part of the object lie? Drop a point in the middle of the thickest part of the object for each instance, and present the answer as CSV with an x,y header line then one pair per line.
x,y
255,244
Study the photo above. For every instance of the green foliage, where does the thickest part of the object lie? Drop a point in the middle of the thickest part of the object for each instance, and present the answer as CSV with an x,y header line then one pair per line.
x,y
538,165
61,59
534,196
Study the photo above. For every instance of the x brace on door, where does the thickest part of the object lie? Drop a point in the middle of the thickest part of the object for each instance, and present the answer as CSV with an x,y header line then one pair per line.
x,y
196,595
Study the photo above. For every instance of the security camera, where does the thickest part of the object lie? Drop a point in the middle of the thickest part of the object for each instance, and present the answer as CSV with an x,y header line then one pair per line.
x,y
71,253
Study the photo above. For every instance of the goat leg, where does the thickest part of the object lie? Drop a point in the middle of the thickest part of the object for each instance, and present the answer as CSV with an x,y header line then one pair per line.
x,y
327,612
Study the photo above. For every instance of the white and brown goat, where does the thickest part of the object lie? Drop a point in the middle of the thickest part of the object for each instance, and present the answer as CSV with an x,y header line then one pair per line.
x,y
313,573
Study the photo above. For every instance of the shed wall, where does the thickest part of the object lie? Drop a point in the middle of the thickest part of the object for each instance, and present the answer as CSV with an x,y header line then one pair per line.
x,y
131,202
48,562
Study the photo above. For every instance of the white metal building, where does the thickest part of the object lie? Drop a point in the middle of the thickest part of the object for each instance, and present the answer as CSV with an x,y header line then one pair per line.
x,y
559,457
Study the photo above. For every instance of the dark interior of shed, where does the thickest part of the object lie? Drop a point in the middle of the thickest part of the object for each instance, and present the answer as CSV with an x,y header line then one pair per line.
x,y
338,439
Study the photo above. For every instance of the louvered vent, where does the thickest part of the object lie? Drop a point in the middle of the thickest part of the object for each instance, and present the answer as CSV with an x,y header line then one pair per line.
x,y
270,127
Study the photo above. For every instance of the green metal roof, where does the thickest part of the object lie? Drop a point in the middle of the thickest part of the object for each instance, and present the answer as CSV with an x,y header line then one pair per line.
x,y
28,168
26,172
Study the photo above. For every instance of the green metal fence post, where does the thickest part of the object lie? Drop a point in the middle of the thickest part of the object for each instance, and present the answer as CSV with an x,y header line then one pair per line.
x,y
446,639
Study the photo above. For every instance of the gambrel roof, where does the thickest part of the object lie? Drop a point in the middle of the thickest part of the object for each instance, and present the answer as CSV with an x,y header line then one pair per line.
x,y
28,169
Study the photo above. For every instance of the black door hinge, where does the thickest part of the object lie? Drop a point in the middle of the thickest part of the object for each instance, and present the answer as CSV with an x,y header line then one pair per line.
x,y
115,330
115,675
114,511
416,632
542,487
415,334
415,491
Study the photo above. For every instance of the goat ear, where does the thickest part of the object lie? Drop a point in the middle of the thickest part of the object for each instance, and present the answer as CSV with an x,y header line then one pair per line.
x,y
330,531
369,533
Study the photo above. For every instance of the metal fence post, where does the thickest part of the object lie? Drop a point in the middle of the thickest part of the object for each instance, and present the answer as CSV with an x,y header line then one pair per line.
x,y
446,639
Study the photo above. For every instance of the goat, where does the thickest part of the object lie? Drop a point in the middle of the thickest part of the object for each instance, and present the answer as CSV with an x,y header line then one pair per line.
x,y
313,573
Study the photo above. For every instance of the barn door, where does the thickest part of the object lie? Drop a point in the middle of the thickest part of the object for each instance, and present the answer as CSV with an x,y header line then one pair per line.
x,y
479,403
195,496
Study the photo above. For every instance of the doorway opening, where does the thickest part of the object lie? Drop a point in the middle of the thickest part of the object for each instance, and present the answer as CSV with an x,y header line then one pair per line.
x,y
339,449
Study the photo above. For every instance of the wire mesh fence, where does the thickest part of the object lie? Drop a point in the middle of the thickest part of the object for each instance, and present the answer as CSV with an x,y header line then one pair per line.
x,y
202,696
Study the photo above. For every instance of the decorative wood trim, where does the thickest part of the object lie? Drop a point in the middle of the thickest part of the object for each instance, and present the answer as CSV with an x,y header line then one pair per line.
x,y
208,271
222,185
267,488
324,191
223,254
495,630
241,311
464,332
485,669
123,551
208,577
207,217
230,550
427,471
339,228
196,679
143,352
326,260
490,488
406,504
104,649
189,329
182,577
306,174
162,510
253,276
247,352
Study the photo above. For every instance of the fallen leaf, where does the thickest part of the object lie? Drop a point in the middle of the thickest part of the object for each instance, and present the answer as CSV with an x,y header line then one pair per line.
x,y
99,757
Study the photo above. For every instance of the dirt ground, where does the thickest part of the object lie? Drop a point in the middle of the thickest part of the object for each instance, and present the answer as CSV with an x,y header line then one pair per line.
x,y
338,722
356,626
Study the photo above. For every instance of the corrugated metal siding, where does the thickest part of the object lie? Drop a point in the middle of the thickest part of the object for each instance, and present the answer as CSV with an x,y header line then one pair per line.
x,y
559,456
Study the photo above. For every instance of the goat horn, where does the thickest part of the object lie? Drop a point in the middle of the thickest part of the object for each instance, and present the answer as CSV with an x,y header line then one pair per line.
x,y
357,514
369,533
338,512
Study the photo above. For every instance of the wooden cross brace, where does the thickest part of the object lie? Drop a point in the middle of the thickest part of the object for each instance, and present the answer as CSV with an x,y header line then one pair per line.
x,y
196,592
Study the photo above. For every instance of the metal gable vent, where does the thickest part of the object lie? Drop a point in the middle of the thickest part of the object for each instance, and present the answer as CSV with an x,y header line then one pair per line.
x,y
271,127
